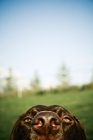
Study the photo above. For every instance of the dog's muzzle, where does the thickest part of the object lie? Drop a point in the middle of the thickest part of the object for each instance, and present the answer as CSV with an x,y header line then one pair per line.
x,y
46,122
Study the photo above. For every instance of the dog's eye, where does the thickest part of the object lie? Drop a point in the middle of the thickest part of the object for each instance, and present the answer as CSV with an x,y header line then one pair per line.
x,y
67,119
27,120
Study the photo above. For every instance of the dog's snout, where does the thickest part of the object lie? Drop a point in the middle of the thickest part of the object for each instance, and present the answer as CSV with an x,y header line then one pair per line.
x,y
46,122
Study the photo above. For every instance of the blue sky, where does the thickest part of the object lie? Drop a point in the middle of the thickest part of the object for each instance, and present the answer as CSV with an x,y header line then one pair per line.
x,y
37,35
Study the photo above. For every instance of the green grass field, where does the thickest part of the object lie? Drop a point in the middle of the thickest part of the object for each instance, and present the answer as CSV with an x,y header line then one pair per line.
x,y
79,104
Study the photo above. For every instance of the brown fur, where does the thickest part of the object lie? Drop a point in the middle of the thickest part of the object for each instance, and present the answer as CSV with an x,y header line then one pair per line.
x,y
68,127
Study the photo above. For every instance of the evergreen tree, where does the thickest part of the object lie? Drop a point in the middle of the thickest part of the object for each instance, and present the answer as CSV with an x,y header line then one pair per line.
x,y
35,83
10,84
91,82
63,77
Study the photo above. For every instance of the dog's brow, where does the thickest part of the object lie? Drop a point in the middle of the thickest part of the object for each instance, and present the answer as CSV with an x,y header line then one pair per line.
x,y
43,112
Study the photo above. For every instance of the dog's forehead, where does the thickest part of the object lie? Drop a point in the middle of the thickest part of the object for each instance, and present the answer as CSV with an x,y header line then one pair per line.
x,y
37,108
55,108
43,108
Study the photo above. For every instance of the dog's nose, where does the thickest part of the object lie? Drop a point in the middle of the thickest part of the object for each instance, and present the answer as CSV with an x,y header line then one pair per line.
x,y
46,122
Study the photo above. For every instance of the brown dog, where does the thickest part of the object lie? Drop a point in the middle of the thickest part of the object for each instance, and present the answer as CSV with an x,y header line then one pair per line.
x,y
47,123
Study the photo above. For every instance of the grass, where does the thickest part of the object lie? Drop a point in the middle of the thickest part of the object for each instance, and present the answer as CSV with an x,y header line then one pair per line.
x,y
79,104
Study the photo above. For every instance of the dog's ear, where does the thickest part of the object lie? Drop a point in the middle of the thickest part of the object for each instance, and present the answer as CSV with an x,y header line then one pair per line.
x,y
81,135
15,131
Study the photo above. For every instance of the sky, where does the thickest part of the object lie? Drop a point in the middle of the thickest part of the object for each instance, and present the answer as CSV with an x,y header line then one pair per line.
x,y
39,36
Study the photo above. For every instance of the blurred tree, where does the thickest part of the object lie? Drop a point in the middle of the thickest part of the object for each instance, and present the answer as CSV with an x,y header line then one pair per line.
x,y
91,82
9,83
1,85
63,77
92,78
35,83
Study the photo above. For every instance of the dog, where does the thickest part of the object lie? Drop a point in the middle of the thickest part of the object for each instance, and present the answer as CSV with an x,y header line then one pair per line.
x,y
48,123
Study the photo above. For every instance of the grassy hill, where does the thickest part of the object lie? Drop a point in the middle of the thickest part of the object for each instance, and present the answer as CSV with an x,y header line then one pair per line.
x,y
79,104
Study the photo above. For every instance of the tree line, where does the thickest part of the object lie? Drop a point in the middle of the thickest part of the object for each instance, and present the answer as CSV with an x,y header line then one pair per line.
x,y
10,87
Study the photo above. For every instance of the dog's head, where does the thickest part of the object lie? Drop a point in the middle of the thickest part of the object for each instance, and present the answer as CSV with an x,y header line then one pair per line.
x,y
48,123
